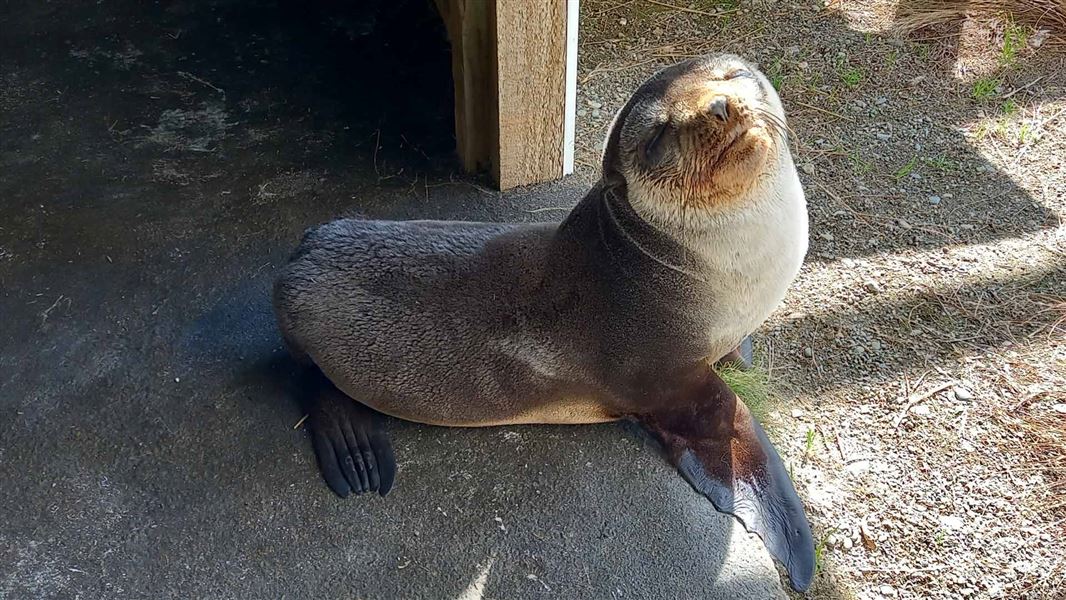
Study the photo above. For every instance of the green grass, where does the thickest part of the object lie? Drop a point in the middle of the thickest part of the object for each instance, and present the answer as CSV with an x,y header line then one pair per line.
x,y
809,443
940,536
1024,132
752,385
775,75
858,165
820,550
940,163
984,88
907,169
1015,37
892,58
851,76
1009,107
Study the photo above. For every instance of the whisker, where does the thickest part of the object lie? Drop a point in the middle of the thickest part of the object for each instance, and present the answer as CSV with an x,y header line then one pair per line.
x,y
779,124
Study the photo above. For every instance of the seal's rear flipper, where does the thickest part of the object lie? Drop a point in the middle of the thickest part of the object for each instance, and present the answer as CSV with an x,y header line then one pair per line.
x,y
723,452
349,438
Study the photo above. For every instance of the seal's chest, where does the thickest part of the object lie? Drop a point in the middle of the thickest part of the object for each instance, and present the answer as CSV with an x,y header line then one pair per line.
x,y
752,265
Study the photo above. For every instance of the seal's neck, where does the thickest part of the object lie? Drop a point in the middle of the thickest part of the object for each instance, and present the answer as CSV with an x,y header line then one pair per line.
x,y
773,212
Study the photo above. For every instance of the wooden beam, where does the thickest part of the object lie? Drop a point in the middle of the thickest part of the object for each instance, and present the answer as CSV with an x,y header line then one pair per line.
x,y
514,64
472,33
531,67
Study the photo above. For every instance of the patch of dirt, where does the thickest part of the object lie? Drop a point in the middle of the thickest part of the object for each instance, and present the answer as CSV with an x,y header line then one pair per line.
x,y
191,130
287,186
920,356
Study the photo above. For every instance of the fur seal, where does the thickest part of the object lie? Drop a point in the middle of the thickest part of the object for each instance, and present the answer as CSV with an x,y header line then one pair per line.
x,y
684,246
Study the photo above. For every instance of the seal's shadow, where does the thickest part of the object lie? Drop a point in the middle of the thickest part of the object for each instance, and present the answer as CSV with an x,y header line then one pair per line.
x,y
535,500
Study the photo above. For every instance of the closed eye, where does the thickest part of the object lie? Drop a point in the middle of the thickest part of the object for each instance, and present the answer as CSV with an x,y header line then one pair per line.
x,y
739,73
650,149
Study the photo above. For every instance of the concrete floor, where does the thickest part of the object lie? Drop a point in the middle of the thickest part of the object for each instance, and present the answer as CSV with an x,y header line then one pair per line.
x,y
158,162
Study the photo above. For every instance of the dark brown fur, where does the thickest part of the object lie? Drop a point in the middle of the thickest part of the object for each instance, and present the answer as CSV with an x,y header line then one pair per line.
x,y
389,311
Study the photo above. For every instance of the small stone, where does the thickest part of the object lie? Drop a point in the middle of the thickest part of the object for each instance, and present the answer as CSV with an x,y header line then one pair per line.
x,y
1023,566
884,136
582,113
872,286
797,413
875,346
1037,39
808,168
827,236
917,80
1059,408
595,104
596,113
804,65
622,21
887,590
859,466
934,200
848,543
858,350
809,353
882,101
962,394
904,224
921,410
951,523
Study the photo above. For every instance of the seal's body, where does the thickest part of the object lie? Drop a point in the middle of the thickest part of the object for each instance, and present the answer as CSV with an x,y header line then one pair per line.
x,y
683,248
550,324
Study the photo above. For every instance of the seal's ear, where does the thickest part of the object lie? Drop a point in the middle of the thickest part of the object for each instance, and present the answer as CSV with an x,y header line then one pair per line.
x,y
723,452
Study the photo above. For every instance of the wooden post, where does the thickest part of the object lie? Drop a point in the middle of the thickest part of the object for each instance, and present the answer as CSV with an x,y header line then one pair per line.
x,y
514,64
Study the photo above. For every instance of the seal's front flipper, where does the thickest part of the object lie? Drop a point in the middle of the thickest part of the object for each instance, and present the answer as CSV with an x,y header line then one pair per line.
x,y
353,450
723,452
743,356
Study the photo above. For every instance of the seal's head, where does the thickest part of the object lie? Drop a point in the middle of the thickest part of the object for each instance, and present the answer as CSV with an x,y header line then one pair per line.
x,y
697,137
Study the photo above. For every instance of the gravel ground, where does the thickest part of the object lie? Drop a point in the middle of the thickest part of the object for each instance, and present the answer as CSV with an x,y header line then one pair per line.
x,y
919,361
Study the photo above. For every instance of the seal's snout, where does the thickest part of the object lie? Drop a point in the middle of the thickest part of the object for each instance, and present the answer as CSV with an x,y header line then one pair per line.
x,y
718,107
700,134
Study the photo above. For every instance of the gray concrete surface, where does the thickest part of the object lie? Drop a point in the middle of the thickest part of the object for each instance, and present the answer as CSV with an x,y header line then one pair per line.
x,y
158,162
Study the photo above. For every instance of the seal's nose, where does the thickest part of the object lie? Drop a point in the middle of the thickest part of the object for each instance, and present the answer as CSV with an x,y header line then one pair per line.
x,y
719,107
